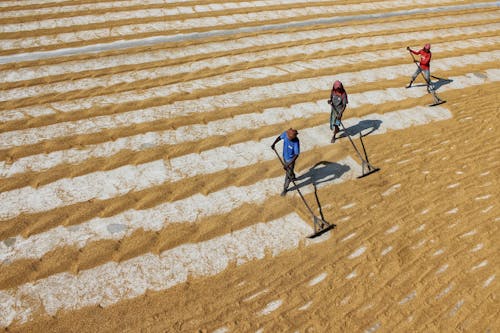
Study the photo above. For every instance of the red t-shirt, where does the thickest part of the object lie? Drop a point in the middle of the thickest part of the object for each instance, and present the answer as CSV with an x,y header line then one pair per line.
x,y
425,58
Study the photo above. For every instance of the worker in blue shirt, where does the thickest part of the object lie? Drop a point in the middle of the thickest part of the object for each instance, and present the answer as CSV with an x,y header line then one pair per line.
x,y
291,150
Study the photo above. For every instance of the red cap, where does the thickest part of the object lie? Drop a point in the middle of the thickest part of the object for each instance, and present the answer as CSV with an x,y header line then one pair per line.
x,y
427,46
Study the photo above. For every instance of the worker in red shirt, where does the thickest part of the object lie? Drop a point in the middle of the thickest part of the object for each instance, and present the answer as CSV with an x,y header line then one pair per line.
x,y
424,66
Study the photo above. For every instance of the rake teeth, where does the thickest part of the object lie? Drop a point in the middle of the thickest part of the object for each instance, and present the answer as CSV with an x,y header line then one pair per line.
x,y
320,227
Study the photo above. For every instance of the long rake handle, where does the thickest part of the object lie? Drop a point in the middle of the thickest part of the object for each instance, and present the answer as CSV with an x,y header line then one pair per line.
x,y
294,184
352,142
317,201
364,149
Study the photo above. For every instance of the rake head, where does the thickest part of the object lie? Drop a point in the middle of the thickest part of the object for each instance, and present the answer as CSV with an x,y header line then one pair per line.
x,y
369,172
367,169
320,227
438,103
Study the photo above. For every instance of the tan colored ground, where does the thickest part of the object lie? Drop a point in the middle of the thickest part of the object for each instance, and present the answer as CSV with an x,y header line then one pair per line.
x,y
402,291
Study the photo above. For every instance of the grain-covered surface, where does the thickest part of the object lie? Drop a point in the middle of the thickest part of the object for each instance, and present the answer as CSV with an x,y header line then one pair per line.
x,y
138,191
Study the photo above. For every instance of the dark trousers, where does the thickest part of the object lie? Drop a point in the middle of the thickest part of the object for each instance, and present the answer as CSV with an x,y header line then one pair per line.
x,y
290,174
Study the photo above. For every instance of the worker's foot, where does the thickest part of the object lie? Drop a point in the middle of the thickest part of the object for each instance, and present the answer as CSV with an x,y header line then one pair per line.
x,y
409,85
283,193
333,139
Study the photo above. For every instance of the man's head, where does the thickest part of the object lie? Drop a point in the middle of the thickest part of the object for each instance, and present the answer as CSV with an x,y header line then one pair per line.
x,y
427,47
291,133
337,85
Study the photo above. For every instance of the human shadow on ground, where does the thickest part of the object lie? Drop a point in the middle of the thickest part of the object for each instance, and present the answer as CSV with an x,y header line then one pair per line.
x,y
321,172
369,124
440,82
435,84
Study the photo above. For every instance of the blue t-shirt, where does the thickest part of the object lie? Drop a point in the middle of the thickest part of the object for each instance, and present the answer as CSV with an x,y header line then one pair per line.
x,y
290,147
